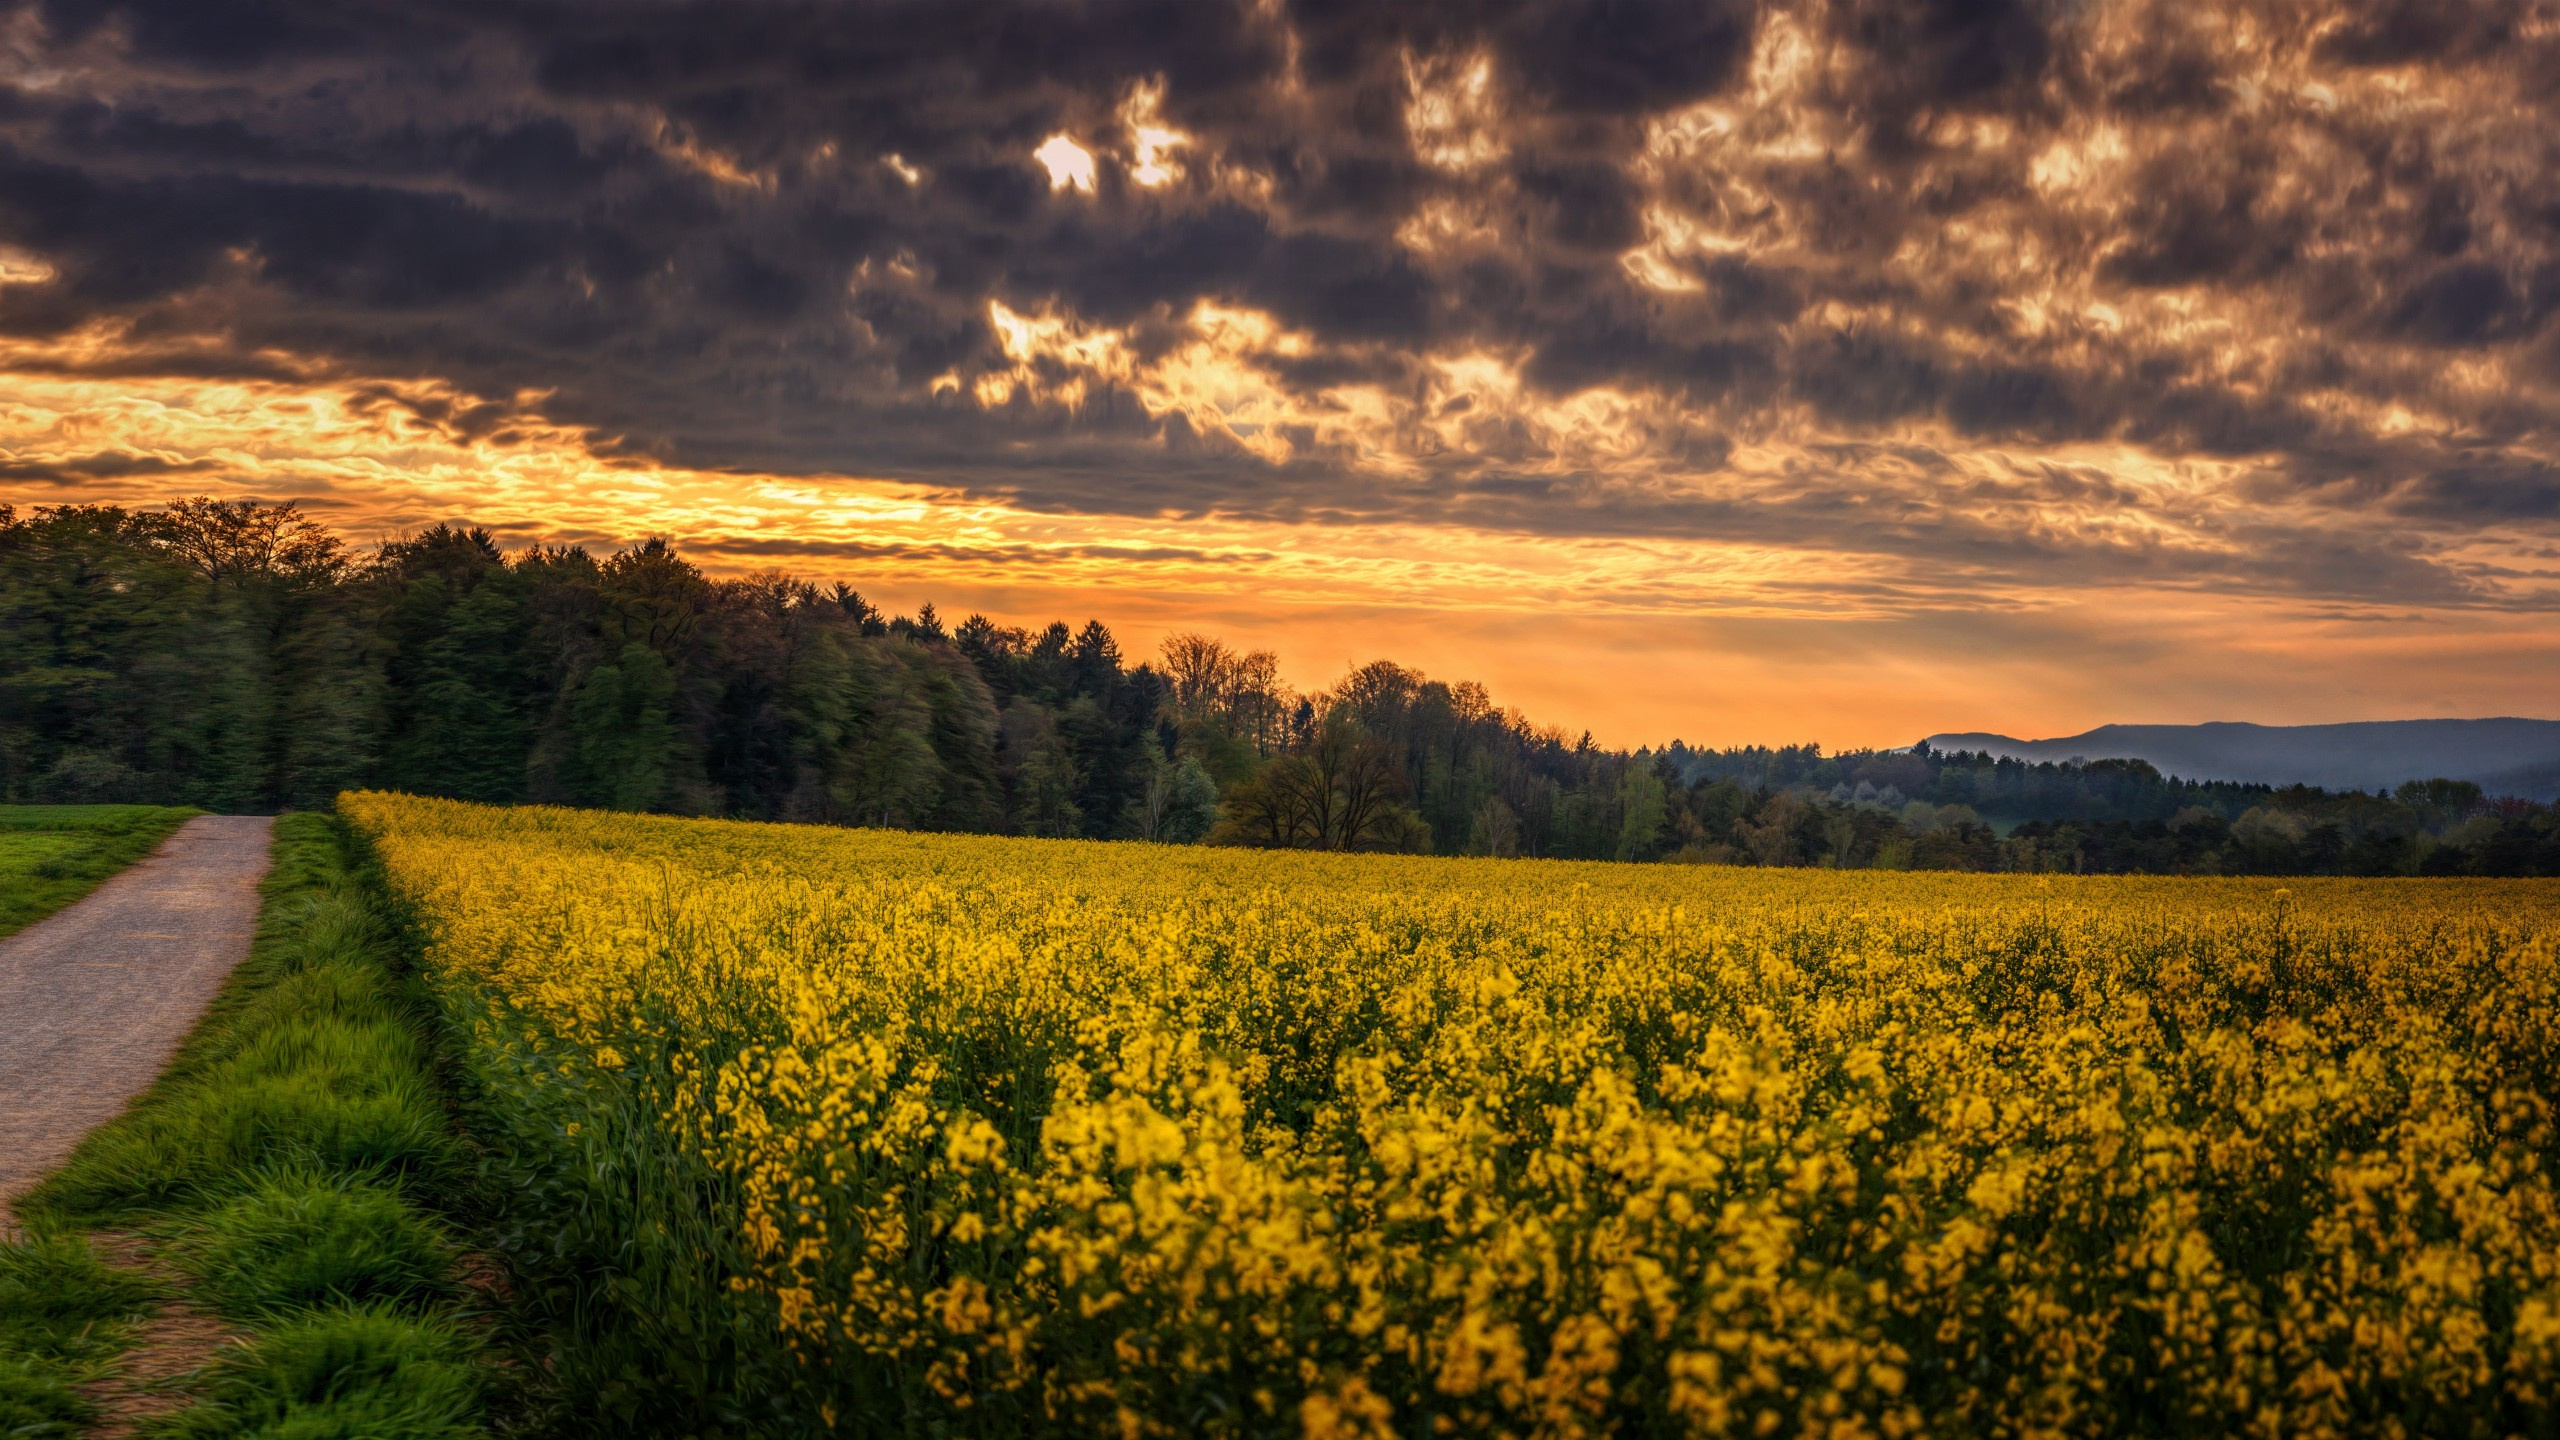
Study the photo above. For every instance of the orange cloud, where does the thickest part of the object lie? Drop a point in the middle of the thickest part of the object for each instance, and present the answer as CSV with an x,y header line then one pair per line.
x,y
1638,638
1815,369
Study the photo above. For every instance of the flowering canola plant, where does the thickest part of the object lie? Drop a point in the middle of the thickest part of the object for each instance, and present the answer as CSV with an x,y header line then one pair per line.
x,y
998,1136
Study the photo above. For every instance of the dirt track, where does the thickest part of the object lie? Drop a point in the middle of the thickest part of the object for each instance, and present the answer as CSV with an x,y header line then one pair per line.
x,y
95,998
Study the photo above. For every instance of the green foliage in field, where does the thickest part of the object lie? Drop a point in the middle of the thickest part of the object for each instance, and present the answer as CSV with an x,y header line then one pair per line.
x,y
55,1294
289,1160
61,1314
51,855
37,1400
61,1309
814,1131
360,1374
310,1062
297,1242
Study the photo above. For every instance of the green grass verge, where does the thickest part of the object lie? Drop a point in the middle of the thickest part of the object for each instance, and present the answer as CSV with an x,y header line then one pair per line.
x,y
297,1164
346,1373
63,1314
63,1311
51,855
301,1242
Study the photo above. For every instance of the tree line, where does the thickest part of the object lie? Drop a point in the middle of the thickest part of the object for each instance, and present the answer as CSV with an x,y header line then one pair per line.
x,y
237,656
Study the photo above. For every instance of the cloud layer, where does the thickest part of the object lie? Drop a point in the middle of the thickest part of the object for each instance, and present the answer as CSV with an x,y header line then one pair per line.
x,y
1970,302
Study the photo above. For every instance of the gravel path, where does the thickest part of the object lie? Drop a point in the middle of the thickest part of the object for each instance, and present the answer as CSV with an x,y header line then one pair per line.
x,y
95,998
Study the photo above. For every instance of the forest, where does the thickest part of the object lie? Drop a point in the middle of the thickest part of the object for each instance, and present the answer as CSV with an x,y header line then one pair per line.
x,y
237,656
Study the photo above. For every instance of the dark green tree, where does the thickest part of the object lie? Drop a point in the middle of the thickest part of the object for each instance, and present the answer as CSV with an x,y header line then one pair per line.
x,y
624,735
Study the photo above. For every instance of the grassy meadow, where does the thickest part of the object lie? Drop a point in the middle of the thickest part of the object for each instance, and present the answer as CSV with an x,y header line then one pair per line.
x,y
810,1131
291,1173
51,855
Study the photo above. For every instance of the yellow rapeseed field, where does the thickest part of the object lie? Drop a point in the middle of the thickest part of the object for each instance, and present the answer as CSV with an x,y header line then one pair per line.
x,y
999,1137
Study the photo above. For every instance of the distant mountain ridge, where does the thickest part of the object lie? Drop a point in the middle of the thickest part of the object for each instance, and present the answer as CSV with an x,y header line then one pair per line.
x,y
2503,756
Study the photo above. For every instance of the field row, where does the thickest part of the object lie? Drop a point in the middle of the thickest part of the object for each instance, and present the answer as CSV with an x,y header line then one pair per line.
x,y
897,1132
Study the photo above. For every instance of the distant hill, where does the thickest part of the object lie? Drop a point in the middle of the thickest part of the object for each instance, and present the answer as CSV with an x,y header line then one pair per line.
x,y
2505,757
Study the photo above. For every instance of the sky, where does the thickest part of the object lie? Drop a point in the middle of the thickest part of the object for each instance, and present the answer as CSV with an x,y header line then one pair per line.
x,y
1839,371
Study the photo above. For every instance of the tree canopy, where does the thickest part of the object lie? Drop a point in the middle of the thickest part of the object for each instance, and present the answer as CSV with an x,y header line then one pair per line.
x,y
238,656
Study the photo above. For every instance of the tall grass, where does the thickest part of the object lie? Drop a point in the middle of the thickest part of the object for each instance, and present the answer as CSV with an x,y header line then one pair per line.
x,y
296,1161
299,1242
63,1314
344,1374
311,1061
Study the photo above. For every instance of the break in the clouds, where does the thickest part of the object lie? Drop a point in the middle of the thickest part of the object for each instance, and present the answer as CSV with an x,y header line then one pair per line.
x,y
1975,300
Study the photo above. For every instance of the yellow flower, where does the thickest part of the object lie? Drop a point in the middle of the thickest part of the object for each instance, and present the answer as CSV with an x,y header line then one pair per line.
x,y
1075,1138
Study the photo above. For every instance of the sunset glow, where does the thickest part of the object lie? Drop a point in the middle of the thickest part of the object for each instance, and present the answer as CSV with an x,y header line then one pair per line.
x,y
1835,382
1284,719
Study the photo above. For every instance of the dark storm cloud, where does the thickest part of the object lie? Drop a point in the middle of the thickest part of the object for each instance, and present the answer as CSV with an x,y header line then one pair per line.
x,y
101,465
769,236
1007,555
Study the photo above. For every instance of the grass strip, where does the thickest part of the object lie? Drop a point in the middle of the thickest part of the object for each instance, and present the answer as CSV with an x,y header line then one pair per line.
x,y
64,1314
51,855
362,1373
295,1170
